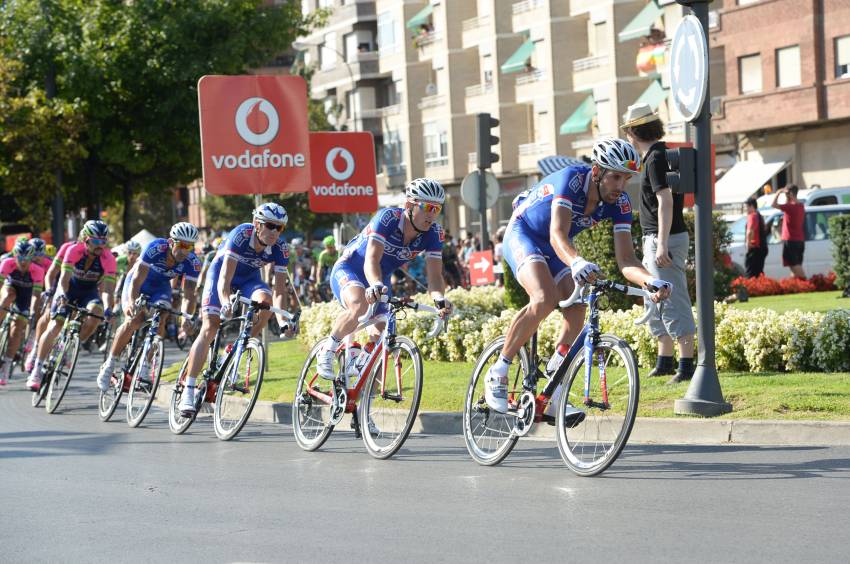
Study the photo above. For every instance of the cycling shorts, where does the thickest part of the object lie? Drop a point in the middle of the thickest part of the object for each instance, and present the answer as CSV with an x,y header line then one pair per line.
x,y
246,285
344,275
522,246
79,296
159,294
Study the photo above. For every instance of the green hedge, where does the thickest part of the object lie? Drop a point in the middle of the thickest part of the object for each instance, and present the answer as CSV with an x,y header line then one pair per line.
x,y
597,245
839,232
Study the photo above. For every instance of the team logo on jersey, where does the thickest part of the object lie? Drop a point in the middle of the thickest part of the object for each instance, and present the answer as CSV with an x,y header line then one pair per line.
x,y
624,204
546,190
440,232
388,216
577,183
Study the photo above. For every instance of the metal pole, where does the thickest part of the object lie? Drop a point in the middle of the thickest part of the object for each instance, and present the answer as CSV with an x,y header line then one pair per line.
x,y
482,206
704,396
58,204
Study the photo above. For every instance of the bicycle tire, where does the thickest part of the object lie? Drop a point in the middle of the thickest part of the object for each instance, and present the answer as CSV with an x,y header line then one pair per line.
x,y
244,398
143,392
584,447
4,342
489,435
107,341
62,374
38,397
311,437
108,401
385,429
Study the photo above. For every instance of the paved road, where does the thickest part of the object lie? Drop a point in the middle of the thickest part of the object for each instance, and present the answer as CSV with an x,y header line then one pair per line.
x,y
103,492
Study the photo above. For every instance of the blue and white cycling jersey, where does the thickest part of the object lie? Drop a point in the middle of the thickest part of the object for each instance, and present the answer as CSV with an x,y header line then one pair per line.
x,y
239,247
387,227
568,188
157,284
527,236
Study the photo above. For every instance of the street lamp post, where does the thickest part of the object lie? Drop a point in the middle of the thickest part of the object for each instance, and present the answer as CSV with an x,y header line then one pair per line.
x,y
303,45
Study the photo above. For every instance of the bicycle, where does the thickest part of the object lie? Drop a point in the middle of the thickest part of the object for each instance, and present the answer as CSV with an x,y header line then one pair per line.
x,y
141,370
609,395
5,334
62,360
389,405
231,383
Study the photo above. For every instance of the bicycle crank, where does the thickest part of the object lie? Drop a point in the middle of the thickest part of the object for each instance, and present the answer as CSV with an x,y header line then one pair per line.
x,y
340,400
524,414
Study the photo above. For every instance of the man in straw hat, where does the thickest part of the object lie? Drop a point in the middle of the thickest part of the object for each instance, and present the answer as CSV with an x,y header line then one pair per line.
x,y
665,242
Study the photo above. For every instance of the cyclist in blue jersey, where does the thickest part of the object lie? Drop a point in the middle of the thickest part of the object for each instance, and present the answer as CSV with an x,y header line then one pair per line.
x,y
393,237
237,267
150,276
538,246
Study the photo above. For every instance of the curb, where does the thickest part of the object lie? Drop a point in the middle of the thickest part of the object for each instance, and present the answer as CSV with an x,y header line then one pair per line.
x,y
647,430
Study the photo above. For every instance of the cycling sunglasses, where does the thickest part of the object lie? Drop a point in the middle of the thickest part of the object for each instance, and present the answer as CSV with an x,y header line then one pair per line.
x,y
96,242
429,207
271,226
183,245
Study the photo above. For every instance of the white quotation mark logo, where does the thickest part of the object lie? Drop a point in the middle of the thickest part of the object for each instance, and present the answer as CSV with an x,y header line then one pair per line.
x,y
346,173
245,132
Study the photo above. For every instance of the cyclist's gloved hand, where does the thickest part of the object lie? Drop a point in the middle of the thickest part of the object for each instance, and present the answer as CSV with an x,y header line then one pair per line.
x,y
226,311
661,289
445,306
107,313
583,270
375,293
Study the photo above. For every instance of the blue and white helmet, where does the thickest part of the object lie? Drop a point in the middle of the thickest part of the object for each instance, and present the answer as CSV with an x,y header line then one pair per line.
x,y
425,190
38,246
272,213
184,231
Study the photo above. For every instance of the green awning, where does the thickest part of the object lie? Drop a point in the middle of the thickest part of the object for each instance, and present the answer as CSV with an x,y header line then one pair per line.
x,y
516,62
653,95
581,118
641,24
420,18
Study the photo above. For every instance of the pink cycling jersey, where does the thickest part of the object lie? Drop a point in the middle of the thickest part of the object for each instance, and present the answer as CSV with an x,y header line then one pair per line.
x,y
32,278
101,267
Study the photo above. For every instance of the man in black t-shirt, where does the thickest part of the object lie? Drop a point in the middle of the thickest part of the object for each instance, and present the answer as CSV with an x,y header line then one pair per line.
x,y
665,243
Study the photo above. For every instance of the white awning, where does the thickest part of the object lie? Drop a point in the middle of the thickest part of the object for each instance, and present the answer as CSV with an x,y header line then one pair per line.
x,y
743,180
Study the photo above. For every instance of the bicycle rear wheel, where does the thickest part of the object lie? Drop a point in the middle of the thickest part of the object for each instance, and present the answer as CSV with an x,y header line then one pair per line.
x,y
238,391
593,445
144,383
107,402
489,435
63,370
176,422
388,410
4,342
311,408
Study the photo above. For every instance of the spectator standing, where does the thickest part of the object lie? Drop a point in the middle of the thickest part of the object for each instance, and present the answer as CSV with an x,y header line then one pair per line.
x,y
793,232
756,239
451,267
665,243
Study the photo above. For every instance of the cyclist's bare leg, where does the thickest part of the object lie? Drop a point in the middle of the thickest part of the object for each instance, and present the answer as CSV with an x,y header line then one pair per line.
x,y
542,299
263,315
125,333
19,329
573,316
354,300
90,323
48,338
201,345
7,301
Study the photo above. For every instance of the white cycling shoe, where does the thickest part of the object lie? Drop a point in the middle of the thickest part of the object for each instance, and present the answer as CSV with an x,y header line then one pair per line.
x,y
186,407
105,375
325,362
496,390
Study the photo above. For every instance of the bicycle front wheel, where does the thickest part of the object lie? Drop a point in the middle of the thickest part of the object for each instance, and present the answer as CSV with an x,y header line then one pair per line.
x,y
144,383
490,435
238,390
176,422
388,410
311,408
610,409
62,372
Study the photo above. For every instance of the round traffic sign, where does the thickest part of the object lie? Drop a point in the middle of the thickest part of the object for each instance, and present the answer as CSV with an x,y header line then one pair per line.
x,y
689,67
469,190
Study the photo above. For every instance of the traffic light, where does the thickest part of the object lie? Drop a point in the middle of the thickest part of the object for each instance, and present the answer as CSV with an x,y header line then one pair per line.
x,y
486,140
682,177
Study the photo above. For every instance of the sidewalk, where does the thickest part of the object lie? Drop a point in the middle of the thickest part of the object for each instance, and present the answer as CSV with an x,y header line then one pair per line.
x,y
647,430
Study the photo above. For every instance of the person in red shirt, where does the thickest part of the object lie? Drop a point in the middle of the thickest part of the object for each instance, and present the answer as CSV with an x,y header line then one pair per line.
x,y
756,240
793,232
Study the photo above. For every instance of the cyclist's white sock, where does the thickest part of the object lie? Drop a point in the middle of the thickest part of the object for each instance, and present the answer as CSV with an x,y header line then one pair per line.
x,y
110,360
190,382
335,343
502,365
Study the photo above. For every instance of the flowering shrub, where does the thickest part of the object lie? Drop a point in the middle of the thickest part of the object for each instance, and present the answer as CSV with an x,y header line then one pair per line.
x,y
756,340
764,286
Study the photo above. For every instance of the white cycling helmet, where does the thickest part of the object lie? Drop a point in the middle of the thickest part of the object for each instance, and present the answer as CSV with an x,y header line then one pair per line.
x,y
617,155
133,246
271,212
184,231
425,190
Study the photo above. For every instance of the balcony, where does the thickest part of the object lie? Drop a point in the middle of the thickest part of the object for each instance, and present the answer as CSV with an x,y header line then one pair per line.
x,y
432,101
528,85
590,71
579,7
475,30
427,44
530,153
528,13
768,110
364,65
480,97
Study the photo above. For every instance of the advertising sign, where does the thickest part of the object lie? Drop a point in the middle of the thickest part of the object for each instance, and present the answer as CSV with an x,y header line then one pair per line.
x,y
343,172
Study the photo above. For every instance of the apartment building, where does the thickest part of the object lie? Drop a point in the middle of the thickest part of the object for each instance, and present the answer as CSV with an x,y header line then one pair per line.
x,y
787,96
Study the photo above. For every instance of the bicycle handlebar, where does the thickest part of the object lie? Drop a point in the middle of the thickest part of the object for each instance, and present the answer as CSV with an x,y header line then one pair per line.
x,y
143,302
260,305
440,324
651,309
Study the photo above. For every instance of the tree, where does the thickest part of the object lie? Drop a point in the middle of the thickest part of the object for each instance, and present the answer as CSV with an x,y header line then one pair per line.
x,y
37,137
135,67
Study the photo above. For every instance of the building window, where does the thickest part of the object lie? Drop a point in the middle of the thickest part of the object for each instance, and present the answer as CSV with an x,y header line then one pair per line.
x,y
749,72
842,57
393,150
598,39
386,32
436,145
327,52
358,42
788,66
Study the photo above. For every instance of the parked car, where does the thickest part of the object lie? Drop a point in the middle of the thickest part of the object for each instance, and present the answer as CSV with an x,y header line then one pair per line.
x,y
815,197
818,256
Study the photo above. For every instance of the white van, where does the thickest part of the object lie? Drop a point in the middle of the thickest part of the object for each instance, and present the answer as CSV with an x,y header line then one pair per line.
x,y
814,197
817,258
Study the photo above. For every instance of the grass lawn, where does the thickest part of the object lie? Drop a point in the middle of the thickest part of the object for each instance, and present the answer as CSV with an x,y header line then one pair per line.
x,y
809,301
753,396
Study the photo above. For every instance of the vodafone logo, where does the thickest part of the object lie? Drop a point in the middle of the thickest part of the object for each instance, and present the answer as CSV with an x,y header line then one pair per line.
x,y
332,160
251,109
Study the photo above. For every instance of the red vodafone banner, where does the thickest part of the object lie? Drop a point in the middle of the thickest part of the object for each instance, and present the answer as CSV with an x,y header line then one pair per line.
x,y
343,168
254,137
481,268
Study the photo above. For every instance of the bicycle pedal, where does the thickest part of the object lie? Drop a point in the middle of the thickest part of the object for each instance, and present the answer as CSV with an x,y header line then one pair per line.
x,y
240,389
